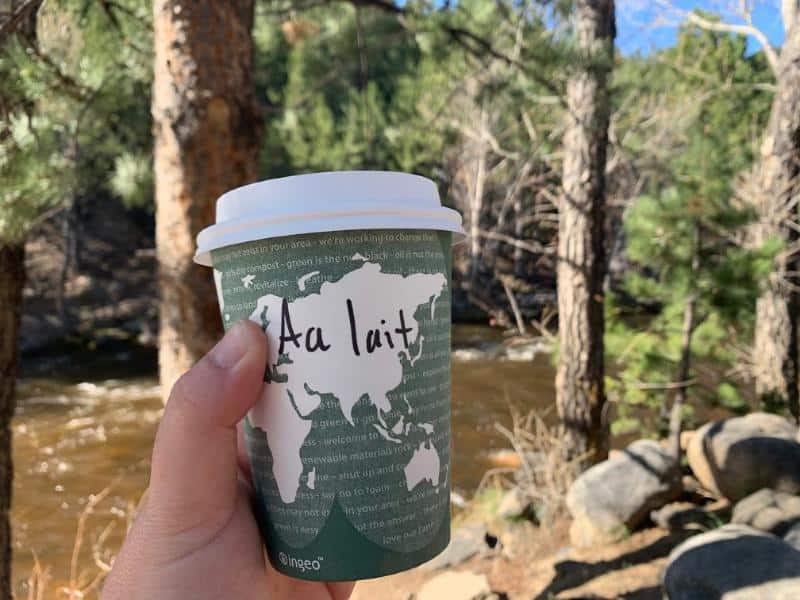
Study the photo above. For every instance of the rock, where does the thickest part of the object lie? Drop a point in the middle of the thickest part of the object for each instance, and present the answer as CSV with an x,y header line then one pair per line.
x,y
792,536
686,437
479,351
736,457
504,458
79,285
676,516
515,539
734,562
768,510
613,497
513,460
514,505
771,424
455,585
527,349
458,500
466,542
690,484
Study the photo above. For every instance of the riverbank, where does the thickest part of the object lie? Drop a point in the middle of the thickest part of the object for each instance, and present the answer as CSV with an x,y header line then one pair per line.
x,y
620,530
724,521
541,564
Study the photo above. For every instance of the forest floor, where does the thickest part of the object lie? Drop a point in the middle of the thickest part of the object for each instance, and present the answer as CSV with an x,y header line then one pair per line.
x,y
543,566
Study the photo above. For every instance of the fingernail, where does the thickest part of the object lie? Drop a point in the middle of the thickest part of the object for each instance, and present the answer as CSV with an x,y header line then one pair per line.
x,y
230,349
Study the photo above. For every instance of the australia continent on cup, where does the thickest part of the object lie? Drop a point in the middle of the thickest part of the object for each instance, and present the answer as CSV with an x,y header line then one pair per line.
x,y
353,341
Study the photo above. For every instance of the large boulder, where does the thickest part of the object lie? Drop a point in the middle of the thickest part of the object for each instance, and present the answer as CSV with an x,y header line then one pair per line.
x,y
792,536
768,510
515,505
613,497
738,456
734,562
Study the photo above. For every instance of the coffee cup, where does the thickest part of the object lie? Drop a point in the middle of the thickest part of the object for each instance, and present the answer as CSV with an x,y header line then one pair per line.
x,y
348,274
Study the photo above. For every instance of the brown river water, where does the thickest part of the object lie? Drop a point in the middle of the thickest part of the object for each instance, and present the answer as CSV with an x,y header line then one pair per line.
x,y
77,435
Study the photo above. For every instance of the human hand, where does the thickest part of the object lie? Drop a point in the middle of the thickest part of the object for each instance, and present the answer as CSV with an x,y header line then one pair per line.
x,y
196,537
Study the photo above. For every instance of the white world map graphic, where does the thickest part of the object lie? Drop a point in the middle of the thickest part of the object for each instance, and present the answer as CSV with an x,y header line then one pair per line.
x,y
341,317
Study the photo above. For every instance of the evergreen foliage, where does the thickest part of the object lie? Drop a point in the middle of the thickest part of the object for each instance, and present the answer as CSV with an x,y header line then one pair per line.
x,y
713,105
359,87
77,111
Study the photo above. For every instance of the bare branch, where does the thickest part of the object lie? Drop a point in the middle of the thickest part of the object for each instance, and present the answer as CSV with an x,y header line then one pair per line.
x,y
16,19
532,247
514,307
476,44
670,385
747,29
471,42
790,11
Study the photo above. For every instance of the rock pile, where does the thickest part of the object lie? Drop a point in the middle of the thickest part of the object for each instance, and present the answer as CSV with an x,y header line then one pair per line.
x,y
743,469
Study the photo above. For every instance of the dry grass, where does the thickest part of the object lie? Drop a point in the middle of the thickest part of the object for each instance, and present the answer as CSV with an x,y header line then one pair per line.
x,y
37,581
545,473
90,561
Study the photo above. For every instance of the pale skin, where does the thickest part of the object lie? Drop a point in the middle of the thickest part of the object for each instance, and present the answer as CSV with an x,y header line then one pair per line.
x,y
195,535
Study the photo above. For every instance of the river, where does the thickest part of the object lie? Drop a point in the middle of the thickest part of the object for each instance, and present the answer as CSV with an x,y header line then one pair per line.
x,y
82,429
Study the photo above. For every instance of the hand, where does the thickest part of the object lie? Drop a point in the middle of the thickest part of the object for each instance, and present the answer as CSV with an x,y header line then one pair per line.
x,y
195,537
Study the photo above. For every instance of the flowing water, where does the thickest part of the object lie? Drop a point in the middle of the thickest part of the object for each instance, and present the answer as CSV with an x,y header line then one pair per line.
x,y
76,435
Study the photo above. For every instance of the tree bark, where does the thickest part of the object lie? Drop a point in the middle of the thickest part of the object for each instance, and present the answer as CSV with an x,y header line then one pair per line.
x,y
206,126
580,394
790,9
775,351
12,278
22,22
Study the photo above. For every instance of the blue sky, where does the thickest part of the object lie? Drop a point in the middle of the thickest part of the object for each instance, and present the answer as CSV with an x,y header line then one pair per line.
x,y
642,28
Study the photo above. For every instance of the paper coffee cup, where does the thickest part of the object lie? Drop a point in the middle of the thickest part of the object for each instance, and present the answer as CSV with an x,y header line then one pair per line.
x,y
349,275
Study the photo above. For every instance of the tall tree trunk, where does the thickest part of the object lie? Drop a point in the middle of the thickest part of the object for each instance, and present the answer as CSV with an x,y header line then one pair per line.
x,y
580,394
775,351
12,278
206,126
20,21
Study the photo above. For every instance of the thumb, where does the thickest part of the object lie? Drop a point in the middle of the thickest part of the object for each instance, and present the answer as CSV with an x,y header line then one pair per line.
x,y
194,471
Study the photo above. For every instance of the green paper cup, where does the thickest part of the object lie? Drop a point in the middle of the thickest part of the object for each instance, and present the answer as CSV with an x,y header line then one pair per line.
x,y
349,276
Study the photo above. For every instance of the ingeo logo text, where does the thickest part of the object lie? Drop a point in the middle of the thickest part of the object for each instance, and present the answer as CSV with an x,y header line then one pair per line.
x,y
301,564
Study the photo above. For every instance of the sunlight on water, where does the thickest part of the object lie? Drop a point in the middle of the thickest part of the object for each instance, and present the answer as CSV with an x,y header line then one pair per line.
x,y
72,440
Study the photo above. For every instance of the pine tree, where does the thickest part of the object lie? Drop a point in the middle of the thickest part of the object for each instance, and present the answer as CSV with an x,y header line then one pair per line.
x,y
686,236
207,127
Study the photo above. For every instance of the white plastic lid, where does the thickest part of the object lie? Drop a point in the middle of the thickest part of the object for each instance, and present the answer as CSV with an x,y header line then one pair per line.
x,y
319,202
